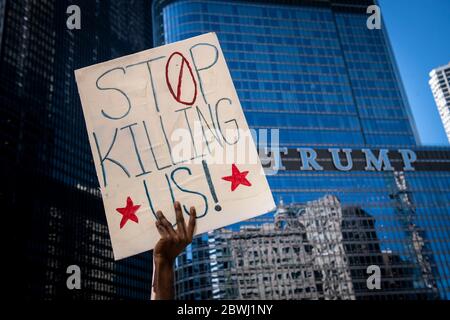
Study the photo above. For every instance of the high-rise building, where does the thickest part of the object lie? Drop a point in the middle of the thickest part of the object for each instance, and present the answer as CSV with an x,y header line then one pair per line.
x,y
315,72
273,261
310,68
440,85
49,183
318,250
323,224
362,250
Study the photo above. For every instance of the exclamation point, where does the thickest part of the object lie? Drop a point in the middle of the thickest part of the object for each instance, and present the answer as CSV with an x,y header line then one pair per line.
x,y
217,207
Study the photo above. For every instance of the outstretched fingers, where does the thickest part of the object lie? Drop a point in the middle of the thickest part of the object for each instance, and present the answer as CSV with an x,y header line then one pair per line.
x,y
181,224
191,224
162,231
165,225
183,233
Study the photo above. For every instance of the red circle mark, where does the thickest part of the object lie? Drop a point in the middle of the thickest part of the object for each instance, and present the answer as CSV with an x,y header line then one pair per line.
x,y
177,95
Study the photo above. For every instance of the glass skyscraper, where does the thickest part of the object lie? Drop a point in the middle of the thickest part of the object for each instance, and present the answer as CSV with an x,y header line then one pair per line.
x,y
316,71
313,70
49,189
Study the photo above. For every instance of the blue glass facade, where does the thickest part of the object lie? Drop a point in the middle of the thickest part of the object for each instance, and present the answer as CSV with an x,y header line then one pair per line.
x,y
319,75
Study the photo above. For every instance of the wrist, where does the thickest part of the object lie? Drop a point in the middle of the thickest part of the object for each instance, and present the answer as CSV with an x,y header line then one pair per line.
x,y
163,262
164,278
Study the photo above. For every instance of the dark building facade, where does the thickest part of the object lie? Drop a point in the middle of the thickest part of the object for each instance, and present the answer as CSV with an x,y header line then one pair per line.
x,y
313,71
362,250
49,182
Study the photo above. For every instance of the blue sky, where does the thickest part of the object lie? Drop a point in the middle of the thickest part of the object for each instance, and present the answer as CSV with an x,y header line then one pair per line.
x,y
420,36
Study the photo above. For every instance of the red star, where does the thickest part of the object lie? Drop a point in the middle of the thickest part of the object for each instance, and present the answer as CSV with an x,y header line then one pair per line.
x,y
128,212
237,177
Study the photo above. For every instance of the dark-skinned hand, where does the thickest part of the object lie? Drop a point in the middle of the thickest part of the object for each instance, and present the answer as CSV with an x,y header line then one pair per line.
x,y
172,243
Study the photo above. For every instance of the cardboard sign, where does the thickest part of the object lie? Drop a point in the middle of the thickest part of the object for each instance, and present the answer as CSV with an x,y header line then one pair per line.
x,y
166,124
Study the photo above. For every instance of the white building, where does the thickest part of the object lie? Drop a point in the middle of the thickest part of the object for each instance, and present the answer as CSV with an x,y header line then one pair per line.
x,y
273,263
300,255
440,85
322,220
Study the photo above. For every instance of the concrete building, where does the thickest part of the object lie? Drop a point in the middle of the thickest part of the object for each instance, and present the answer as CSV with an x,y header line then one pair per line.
x,y
300,255
274,261
322,220
440,85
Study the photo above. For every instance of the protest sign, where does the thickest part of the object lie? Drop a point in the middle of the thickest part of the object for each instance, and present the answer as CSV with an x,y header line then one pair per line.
x,y
166,124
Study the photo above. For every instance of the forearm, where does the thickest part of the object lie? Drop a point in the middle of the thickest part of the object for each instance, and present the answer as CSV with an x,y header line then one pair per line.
x,y
164,280
171,244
